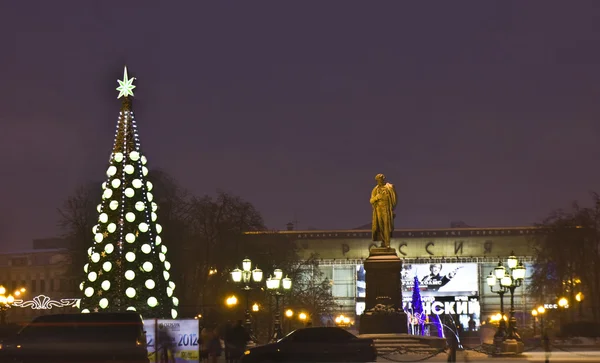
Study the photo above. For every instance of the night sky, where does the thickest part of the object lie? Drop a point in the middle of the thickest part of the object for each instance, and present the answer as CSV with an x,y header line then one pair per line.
x,y
487,112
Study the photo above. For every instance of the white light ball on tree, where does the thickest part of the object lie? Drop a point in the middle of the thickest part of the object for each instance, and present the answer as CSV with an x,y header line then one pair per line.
x,y
115,183
146,248
144,171
130,292
137,184
172,284
95,257
154,207
112,170
129,169
147,266
152,302
158,240
143,227
105,285
103,218
95,229
130,237
118,157
149,196
167,265
103,303
107,194
107,266
81,286
162,257
109,248
166,275
175,301
173,314
163,249
85,311
158,228
98,237
130,217
130,256
113,205
144,160
134,155
129,275
130,308
99,208
90,251
129,192
85,267
111,227
149,185
139,206
89,291
169,292
92,276
150,284
154,216
103,185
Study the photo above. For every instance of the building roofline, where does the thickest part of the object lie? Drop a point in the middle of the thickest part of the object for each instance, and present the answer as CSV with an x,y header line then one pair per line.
x,y
405,230
33,251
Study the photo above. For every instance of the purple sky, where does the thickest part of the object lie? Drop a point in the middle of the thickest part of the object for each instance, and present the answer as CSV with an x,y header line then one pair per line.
x,y
488,112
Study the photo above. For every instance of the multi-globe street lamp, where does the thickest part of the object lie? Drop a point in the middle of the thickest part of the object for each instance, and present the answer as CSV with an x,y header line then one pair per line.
x,y
276,284
6,301
509,279
246,276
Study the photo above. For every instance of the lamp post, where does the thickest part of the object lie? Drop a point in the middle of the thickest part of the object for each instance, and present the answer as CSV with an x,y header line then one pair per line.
x,y
6,301
275,284
534,313
508,280
541,311
246,276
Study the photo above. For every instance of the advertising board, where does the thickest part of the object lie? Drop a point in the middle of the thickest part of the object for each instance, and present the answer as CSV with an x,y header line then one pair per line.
x,y
177,338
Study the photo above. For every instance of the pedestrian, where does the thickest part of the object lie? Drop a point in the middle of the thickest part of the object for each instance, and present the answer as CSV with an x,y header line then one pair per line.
x,y
239,339
205,337
214,347
547,347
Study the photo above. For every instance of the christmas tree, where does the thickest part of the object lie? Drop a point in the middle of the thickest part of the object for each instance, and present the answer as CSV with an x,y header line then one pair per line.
x,y
127,268
417,306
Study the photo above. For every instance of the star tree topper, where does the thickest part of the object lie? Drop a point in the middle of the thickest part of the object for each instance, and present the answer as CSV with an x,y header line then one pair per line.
x,y
126,85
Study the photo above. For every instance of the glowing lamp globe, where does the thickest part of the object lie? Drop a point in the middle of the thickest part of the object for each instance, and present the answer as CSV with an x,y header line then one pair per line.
x,y
287,283
278,274
506,281
236,275
491,279
257,275
246,264
519,272
512,261
499,271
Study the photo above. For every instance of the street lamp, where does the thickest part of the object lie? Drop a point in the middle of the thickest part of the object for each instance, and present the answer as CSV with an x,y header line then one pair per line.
x,y
509,280
541,311
275,284
6,301
246,276
534,313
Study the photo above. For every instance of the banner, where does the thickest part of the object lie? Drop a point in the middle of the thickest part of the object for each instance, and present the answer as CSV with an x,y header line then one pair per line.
x,y
437,279
178,338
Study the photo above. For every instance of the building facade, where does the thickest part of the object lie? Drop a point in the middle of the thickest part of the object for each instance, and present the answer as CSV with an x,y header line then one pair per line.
x,y
44,274
451,266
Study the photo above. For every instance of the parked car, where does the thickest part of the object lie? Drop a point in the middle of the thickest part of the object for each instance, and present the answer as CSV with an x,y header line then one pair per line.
x,y
318,344
98,337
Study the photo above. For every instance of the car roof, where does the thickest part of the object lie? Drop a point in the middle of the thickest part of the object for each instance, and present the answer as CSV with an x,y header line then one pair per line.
x,y
128,317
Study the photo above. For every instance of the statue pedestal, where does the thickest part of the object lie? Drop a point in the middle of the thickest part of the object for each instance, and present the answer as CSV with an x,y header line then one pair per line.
x,y
384,286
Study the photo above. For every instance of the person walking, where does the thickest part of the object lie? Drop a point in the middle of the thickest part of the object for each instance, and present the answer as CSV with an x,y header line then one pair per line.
x,y
547,347
239,339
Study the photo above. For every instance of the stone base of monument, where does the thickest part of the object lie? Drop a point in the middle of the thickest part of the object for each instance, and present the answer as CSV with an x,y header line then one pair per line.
x,y
383,324
510,347
383,289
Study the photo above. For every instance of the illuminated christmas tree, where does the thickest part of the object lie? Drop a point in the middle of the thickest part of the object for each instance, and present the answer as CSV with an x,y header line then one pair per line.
x,y
127,266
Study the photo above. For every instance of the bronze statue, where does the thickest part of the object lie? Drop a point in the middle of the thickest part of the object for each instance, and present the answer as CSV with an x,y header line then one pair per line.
x,y
383,200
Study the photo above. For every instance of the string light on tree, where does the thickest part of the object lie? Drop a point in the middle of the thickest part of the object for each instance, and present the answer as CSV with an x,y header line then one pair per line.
x,y
127,267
